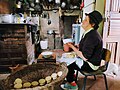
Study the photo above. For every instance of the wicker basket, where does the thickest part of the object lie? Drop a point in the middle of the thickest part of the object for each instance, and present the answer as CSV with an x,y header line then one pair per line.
x,y
35,72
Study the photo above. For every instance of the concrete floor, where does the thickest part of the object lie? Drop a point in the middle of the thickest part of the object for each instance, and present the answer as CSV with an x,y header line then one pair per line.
x,y
113,83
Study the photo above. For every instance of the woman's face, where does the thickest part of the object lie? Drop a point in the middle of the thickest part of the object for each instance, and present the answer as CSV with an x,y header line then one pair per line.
x,y
85,23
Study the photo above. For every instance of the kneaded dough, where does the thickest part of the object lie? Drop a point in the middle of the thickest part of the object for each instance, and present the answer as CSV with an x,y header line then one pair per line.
x,y
70,55
34,83
18,86
48,79
18,80
59,73
54,76
42,81
27,85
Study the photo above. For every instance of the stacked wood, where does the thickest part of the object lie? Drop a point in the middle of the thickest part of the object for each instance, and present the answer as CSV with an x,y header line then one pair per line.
x,y
16,45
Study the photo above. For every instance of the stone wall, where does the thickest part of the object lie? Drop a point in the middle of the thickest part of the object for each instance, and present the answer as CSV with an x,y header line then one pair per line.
x,y
54,17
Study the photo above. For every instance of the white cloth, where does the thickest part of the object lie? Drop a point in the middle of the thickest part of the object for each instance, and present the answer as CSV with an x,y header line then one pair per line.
x,y
77,60
69,61
93,66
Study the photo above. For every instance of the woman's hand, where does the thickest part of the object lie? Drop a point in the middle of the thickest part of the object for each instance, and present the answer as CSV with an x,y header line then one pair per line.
x,y
77,46
79,53
70,45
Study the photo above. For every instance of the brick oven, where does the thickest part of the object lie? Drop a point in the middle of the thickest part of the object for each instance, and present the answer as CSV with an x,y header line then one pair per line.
x,y
16,45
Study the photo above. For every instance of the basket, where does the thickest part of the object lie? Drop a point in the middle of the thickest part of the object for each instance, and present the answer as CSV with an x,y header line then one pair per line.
x,y
34,73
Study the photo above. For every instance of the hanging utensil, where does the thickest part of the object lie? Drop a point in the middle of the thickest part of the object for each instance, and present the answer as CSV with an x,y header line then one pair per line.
x,y
57,1
50,0
49,21
63,5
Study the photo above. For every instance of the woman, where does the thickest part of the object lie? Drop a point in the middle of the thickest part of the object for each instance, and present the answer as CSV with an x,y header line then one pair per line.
x,y
89,51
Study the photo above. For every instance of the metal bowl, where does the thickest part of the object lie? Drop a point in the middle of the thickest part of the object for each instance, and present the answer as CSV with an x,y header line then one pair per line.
x,y
46,54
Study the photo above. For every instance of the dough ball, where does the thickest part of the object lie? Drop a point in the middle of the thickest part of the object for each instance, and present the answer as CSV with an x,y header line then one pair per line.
x,y
54,76
27,85
18,86
42,81
48,79
34,83
18,80
59,73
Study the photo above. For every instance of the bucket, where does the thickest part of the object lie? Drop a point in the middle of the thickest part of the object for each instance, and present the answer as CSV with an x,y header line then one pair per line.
x,y
44,44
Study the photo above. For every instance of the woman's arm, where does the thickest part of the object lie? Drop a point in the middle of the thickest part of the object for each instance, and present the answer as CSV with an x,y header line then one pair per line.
x,y
79,53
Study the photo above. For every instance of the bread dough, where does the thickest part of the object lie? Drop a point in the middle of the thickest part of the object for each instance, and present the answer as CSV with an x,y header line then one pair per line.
x,y
18,80
18,86
34,83
59,73
54,76
42,81
48,79
27,85
70,55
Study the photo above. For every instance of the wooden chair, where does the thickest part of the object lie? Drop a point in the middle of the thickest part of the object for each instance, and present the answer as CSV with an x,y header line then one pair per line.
x,y
106,57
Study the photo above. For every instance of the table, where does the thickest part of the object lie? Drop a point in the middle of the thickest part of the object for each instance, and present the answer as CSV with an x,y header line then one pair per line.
x,y
51,59
57,53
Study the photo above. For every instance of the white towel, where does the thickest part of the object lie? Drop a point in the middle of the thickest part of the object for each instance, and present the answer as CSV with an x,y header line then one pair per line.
x,y
69,61
79,62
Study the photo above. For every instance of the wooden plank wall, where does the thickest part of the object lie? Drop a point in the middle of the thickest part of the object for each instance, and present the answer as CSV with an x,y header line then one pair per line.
x,y
111,32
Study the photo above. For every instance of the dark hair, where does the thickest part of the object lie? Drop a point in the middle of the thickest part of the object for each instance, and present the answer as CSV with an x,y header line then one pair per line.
x,y
92,22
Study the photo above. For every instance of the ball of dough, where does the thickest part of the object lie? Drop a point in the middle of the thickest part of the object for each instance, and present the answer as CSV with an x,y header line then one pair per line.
x,y
48,79
18,86
54,76
42,81
34,83
18,80
59,73
27,85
